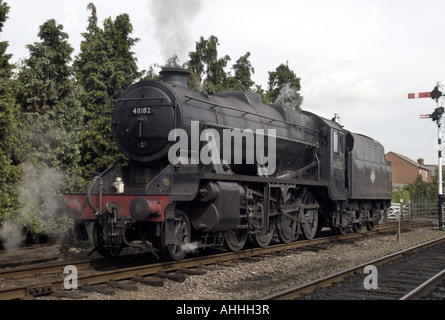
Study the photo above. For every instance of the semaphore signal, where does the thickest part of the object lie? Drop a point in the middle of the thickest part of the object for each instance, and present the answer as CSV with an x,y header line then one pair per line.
x,y
436,116
435,94
419,95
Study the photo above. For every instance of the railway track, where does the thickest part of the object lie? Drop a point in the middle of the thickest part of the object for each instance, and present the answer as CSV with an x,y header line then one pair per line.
x,y
431,289
159,269
405,275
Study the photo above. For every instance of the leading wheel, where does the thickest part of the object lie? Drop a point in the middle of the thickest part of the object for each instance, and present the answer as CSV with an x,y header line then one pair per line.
x,y
100,245
182,234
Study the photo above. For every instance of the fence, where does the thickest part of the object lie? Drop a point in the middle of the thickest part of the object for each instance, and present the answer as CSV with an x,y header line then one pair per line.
x,y
413,210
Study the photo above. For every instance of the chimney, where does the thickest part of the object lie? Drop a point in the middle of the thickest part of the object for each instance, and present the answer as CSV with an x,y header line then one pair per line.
x,y
421,161
175,76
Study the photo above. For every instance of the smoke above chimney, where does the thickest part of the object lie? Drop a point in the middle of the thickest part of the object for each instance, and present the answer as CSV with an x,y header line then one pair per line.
x,y
173,20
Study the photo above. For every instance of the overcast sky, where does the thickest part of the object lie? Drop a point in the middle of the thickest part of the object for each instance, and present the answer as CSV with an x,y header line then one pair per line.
x,y
356,58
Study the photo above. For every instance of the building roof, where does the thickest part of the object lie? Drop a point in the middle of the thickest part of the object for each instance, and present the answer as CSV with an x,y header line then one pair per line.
x,y
414,163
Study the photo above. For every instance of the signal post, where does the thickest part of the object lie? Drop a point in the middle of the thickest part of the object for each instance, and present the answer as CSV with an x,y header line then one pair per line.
x,y
436,116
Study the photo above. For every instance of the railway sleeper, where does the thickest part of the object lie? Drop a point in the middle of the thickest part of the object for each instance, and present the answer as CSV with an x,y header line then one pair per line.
x,y
70,294
369,296
121,286
177,277
392,292
436,295
99,289
37,291
151,281
193,272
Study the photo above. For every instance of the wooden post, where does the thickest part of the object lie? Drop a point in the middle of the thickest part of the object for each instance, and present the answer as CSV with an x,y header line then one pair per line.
x,y
398,217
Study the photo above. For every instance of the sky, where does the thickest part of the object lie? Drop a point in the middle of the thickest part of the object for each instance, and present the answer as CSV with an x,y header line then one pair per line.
x,y
357,58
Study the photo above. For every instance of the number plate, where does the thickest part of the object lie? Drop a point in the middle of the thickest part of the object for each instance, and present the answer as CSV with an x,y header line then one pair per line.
x,y
138,111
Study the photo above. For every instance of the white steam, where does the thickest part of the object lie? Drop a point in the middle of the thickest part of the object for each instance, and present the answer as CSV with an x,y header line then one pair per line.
x,y
173,19
11,235
289,97
190,247
38,210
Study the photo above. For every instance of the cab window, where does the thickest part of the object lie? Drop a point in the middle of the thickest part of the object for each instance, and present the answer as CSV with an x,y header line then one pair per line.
x,y
337,146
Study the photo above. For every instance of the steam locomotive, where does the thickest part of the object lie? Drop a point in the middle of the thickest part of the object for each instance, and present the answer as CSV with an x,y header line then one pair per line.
x,y
219,171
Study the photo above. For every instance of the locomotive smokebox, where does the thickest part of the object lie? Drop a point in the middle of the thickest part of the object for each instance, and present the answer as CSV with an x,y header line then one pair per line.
x,y
175,76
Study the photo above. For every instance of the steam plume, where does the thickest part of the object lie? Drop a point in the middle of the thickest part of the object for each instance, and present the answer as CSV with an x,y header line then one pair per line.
x,y
39,212
11,235
173,19
289,97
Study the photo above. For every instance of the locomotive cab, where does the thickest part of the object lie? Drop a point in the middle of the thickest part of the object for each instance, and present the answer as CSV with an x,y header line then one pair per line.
x,y
332,156
357,178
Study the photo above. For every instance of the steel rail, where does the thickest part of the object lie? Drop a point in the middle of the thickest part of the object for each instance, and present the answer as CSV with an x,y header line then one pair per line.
x,y
48,268
57,267
151,269
425,287
296,291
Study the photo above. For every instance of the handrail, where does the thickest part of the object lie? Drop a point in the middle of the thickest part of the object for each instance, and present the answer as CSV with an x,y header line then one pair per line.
x,y
214,105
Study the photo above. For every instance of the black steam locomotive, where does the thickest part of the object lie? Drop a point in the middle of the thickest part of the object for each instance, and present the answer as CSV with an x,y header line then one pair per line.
x,y
217,171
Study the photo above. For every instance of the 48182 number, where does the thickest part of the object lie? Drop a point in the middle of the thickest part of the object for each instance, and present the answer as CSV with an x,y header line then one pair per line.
x,y
141,111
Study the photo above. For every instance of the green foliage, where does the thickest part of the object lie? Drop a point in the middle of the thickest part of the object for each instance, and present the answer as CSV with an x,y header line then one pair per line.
x,y
50,118
400,194
207,67
38,212
11,147
207,73
49,98
105,67
11,142
242,80
284,87
421,191
5,66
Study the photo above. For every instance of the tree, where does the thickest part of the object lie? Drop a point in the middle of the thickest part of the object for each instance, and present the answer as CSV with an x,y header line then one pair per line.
x,y
51,117
49,98
208,73
206,68
105,67
242,80
5,66
400,194
421,191
10,136
284,87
